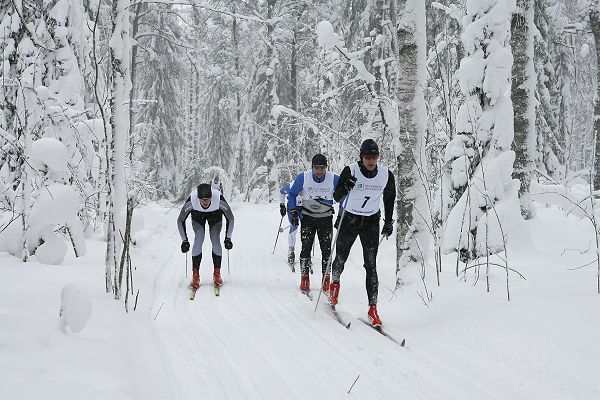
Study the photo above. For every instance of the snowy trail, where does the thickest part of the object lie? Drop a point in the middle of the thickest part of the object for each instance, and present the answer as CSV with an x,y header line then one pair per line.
x,y
261,339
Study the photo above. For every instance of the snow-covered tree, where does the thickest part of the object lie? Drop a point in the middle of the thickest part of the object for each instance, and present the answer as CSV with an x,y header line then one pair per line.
x,y
480,156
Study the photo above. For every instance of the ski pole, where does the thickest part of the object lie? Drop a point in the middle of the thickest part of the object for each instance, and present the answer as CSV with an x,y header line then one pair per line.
x,y
330,260
278,232
228,272
284,228
186,266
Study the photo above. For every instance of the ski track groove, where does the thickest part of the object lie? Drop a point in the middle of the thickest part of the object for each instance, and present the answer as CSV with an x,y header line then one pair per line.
x,y
212,341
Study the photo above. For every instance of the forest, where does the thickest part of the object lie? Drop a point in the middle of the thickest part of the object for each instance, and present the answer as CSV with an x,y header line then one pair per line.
x,y
480,108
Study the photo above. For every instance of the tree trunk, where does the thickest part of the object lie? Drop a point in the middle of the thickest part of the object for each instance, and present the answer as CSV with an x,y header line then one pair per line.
x,y
523,93
119,123
411,108
595,25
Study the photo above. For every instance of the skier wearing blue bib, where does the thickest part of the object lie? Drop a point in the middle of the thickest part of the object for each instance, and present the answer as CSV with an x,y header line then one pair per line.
x,y
364,183
316,187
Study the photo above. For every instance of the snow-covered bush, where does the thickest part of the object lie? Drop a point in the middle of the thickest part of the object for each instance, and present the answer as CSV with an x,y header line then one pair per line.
x,y
75,308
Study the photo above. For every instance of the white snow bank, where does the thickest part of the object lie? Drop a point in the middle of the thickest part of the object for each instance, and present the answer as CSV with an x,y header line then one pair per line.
x,y
75,308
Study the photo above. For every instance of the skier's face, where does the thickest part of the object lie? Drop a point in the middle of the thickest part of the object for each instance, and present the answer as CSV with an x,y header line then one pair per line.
x,y
370,162
205,203
319,170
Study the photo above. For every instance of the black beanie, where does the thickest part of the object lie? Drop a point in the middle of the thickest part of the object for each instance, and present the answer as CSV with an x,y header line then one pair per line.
x,y
204,191
369,148
319,159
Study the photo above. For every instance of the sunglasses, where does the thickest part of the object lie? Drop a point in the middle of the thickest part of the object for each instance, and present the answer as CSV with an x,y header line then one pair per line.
x,y
319,166
373,157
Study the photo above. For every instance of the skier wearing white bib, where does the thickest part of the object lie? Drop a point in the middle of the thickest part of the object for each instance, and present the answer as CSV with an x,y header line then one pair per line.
x,y
315,186
364,183
206,205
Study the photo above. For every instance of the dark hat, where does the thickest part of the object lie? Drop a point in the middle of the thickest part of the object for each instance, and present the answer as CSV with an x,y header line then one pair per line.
x,y
369,148
319,159
204,191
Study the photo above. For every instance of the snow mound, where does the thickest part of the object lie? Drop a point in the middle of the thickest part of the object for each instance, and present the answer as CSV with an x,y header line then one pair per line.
x,y
49,154
76,307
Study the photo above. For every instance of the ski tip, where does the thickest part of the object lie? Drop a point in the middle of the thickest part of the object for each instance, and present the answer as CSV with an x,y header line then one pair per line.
x,y
403,342
348,325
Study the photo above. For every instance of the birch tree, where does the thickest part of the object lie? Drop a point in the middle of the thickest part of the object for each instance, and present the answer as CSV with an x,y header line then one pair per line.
x,y
118,129
411,109
523,97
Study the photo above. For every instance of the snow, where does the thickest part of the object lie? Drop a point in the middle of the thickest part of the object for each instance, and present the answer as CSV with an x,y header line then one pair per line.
x,y
49,154
326,36
76,307
262,340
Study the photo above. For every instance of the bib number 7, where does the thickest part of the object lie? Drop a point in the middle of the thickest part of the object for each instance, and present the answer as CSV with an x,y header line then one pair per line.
x,y
365,203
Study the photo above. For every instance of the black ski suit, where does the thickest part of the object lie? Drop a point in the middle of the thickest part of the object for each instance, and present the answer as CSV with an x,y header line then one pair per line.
x,y
365,227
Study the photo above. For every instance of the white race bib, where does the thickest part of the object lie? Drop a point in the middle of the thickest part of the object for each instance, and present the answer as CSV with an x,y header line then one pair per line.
x,y
365,197
215,201
317,190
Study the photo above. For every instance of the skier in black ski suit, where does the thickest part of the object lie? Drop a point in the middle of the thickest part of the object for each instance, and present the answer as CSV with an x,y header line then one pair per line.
x,y
315,186
206,205
363,183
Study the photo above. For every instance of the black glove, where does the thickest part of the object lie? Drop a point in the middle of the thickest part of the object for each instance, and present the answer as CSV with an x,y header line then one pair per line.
x,y
282,209
388,228
185,246
349,183
336,225
294,219
228,244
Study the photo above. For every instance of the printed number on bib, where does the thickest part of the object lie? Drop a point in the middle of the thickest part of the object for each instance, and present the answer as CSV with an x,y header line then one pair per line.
x,y
365,203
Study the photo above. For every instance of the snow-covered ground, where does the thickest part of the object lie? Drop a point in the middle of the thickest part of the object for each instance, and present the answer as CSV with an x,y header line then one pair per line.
x,y
261,339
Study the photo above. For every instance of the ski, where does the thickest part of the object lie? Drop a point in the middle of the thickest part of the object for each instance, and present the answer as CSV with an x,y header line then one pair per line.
x,y
338,317
308,294
193,294
383,333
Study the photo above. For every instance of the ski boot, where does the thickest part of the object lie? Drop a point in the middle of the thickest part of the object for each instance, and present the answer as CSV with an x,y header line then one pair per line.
x,y
217,281
373,316
304,282
195,283
334,292
291,257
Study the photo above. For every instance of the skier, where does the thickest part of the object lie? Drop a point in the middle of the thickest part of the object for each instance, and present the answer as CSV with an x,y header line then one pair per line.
x,y
364,183
316,186
216,184
206,204
293,228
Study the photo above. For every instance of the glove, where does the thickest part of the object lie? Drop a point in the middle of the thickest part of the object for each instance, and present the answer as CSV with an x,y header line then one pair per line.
x,y
336,225
185,246
282,209
388,228
228,244
294,220
349,183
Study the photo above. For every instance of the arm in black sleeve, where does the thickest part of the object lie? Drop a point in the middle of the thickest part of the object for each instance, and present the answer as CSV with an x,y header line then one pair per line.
x,y
389,196
340,190
224,206
183,214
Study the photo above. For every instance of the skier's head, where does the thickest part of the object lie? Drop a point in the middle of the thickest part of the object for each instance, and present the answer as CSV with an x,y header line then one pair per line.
x,y
369,154
204,194
319,164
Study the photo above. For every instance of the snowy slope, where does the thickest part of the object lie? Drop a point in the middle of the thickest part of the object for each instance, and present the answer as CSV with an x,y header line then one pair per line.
x,y
261,339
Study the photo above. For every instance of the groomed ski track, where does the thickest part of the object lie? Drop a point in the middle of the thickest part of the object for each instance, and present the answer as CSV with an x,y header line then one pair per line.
x,y
261,339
